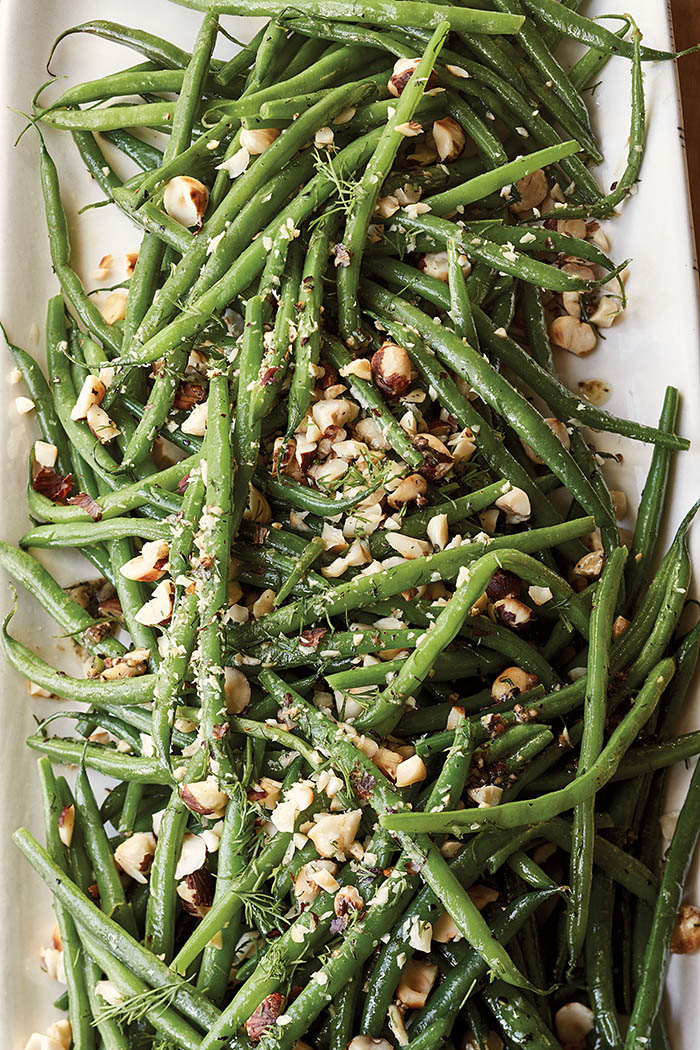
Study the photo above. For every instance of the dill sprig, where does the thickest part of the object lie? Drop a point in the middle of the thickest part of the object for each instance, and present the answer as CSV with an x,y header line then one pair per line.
x,y
137,1007
346,191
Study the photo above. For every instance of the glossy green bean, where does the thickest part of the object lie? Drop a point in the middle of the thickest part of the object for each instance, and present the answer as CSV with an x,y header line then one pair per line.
x,y
83,1035
378,167
514,814
419,14
656,956
214,544
309,319
594,717
112,897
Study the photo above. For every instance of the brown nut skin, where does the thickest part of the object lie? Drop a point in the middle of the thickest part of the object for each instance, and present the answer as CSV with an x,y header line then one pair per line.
x,y
391,369
403,71
200,897
265,1016
438,458
686,935
330,377
510,612
503,584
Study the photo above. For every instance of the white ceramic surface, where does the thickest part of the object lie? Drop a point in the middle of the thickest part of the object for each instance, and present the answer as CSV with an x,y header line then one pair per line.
x,y
657,343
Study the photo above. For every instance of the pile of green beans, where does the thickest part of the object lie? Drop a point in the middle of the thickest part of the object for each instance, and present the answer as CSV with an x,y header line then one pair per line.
x,y
385,723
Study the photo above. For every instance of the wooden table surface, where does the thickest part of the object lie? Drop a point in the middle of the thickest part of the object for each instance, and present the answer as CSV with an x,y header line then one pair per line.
x,y
686,22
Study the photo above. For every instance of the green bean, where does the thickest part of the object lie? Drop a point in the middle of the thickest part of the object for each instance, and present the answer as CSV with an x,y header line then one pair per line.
x,y
594,716
387,708
215,544
343,1017
112,898
59,245
111,118
529,750
593,62
144,154
433,869
246,432
651,505
419,14
165,1020
513,814
216,960
154,48
535,375
517,1018
377,169
647,757
123,691
538,335
366,589
78,1003
129,82
530,872
471,969
40,393
480,186
142,288
449,665
175,664
69,614
493,388
276,357
142,963
460,304
311,553
586,31
293,493
193,158
78,534
227,907
159,932
102,759
637,137
599,957
656,956
310,308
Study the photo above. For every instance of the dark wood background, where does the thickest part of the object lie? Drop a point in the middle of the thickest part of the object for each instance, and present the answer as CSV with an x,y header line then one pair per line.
x,y
686,23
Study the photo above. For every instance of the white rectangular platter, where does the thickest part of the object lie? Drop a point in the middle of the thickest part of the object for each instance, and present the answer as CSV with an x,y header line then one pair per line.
x,y
656,343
